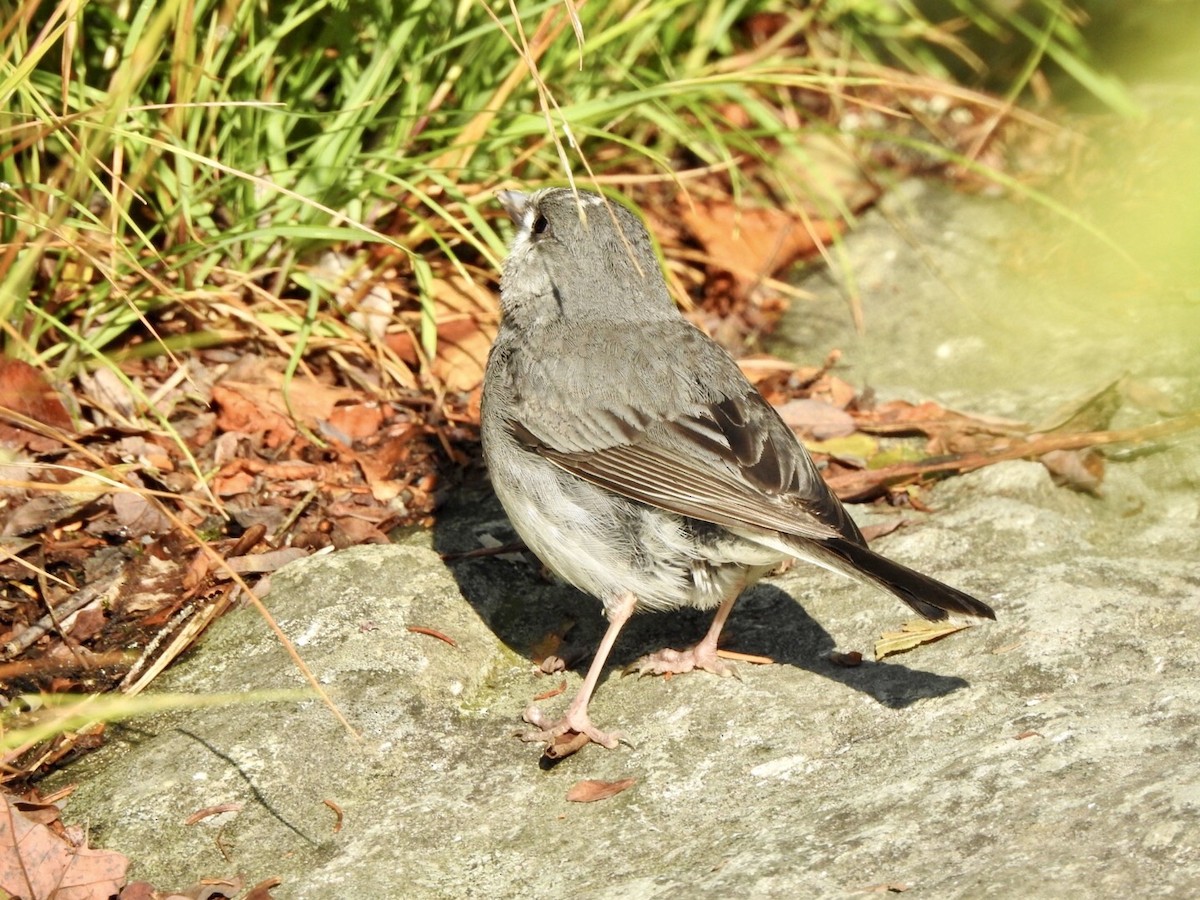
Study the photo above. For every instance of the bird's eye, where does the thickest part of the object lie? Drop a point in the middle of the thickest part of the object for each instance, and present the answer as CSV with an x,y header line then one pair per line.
x,y
540,225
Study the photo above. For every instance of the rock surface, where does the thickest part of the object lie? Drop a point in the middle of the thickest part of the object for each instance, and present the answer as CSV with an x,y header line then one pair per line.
x,y
1051,754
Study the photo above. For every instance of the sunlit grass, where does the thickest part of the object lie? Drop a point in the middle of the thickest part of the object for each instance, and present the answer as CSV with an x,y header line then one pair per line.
x,y
165,162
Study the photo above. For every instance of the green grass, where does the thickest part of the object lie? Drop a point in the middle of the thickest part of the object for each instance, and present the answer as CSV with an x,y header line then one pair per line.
x,y
171,169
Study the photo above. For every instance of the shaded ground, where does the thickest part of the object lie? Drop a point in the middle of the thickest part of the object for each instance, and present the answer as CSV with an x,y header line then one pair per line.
x,y
1050,754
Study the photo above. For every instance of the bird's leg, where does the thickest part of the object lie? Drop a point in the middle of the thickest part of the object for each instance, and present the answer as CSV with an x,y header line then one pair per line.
x,y
576,718
702,656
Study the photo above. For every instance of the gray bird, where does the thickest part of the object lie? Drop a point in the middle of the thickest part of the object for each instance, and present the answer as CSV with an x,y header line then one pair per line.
x,y
634,457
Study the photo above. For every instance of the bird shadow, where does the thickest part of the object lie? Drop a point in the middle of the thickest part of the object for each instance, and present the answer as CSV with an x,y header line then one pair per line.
x,y
522,605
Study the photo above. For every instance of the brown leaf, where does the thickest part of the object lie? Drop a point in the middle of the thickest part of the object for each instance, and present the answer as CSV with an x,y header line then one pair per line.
x,y
339,815
590,790
552,642
270,561
357,420
240,411
553,692
201,814
565,744
139,515
36,862
139,890
262,890
817,418
1093,413
25,391
465,317
433,633
753,243
1079,470
463,343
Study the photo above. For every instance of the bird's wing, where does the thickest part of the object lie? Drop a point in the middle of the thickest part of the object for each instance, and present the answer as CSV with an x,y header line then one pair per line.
x,y
732,462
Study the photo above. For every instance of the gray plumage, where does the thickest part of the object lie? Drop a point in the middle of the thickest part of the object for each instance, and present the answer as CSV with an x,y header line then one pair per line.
x,y
632,455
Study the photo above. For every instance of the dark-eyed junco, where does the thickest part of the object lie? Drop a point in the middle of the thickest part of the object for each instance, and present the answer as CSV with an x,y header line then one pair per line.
x,y
634,457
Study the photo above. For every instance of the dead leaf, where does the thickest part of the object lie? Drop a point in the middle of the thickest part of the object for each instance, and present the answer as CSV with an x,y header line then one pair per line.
x,y
139,515
262,890
565,744
463,343
209,811
357,420
140,890
270,561
1093,413
36,862
1079,470
590,790
913,634
338,813
753,243
243,409
846,660
553,692
366,303
817,418
552,642
25,391
433,633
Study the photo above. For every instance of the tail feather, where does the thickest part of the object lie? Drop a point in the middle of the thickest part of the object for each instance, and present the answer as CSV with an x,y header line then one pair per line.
x,y
927,596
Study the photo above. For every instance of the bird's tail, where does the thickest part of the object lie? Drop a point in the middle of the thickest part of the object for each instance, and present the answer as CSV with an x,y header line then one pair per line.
x,y
927,596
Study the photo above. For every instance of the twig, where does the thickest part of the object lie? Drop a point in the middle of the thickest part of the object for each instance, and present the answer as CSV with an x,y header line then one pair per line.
x,y
105,591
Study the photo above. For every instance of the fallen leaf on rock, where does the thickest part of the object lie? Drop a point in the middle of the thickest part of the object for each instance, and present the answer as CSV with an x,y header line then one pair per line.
x,y
818,418
141,890
430,632
262,890
553,692
846,660
269,561
590,790
552,642
220,809
1093,413
913,634
1079,470
338,813
36,862
879,529
566,744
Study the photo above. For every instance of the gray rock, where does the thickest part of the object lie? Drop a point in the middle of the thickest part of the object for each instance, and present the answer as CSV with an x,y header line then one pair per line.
x,y
1051,754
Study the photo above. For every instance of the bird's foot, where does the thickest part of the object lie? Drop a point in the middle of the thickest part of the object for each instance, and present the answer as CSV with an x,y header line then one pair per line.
x,y
565,736
676,662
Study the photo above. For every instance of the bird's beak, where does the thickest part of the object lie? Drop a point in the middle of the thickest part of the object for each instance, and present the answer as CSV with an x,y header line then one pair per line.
x,y
514,203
